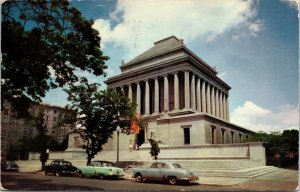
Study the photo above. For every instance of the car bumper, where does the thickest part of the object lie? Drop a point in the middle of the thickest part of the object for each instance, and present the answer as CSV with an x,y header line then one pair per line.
x,y
190,178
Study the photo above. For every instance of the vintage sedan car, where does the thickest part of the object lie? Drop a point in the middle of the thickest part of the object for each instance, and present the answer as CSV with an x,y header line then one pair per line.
x,y
171,172
10,166
101,169
60,167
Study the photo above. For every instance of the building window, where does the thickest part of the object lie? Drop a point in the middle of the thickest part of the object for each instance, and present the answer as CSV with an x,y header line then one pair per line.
x,y
240,137
223,136
186,132
213,134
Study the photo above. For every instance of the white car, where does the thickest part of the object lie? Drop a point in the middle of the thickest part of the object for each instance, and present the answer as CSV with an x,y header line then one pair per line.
x,y
171,172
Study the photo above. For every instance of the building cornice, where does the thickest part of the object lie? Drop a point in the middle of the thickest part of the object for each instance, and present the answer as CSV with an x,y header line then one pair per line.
x,y
167,67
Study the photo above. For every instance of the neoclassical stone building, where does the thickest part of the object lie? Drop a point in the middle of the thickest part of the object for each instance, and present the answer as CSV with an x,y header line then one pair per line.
x,y
180,97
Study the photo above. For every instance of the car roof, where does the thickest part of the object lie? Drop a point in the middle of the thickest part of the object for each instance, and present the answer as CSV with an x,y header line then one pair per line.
x,y
103,161
61,161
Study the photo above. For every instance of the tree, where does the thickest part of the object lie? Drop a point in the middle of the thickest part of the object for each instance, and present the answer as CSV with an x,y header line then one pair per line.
x,y
281,148
155,150
99,114
45,44
42,141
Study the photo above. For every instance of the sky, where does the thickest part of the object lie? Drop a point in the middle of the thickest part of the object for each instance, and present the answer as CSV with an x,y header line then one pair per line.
x,y
253,45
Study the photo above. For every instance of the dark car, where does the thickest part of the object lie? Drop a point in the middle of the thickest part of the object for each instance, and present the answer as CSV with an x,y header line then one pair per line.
x,y
60,167
9,166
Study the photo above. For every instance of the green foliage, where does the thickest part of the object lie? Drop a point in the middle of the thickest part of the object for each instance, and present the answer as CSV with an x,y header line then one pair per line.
x,y
99,113
283,144
45,43
155,150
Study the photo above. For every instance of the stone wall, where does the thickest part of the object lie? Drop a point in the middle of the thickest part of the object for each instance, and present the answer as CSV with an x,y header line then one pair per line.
x,y
251,151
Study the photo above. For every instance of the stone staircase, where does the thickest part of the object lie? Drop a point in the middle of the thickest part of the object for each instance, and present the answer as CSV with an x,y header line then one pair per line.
x,y
228,168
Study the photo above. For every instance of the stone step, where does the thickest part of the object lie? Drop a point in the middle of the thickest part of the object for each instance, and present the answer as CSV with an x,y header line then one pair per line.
x,y
219,165
243,173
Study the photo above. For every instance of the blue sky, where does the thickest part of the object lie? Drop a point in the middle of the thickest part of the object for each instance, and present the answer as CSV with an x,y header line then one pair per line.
x,y
252,44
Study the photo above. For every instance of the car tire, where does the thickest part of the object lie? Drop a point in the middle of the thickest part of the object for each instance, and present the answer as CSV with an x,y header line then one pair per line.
x,y
57,173
139,178
44,172
172,180
101,176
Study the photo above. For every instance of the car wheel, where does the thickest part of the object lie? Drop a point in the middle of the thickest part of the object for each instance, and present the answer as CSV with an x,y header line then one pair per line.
x,y
44,172
138,178
101,177
172,180
57,173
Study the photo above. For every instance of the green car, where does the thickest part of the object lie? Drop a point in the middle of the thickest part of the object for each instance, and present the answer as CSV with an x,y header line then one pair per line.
x,y
101,169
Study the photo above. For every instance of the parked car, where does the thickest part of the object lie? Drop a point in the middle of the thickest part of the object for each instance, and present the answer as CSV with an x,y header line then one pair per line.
x,y
9,166
101,169
60,167
171,172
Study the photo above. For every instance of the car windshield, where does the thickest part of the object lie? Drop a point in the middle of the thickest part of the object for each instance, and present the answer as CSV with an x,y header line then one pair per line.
x,y
176,166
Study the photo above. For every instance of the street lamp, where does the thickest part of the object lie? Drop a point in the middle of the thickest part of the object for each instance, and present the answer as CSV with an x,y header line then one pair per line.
x,y
118,129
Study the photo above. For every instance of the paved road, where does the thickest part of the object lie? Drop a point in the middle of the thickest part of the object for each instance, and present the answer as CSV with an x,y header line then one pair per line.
x,y
277,181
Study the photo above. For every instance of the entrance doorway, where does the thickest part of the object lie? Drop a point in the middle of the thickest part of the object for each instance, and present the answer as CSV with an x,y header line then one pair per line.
x,y
141,137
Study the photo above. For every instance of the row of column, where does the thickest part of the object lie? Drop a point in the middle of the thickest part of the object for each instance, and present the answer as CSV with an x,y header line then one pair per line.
x,y
199,95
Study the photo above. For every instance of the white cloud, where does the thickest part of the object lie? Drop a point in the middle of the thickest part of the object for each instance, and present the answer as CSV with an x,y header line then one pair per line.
x,y
257,118
223,74
255,27
140,23
292,3
109,71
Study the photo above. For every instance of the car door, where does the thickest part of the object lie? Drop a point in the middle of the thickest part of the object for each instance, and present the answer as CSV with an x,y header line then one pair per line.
x,y
91,169
164,171
155,172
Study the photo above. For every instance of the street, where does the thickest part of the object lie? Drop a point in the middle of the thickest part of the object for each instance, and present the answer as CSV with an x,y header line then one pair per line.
x,y
36,181
283,180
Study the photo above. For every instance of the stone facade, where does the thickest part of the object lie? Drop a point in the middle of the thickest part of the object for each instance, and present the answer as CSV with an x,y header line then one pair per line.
x,y
14,128
180,97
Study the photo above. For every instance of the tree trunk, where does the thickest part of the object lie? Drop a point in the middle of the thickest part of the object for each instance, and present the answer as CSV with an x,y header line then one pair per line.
x,y
89,159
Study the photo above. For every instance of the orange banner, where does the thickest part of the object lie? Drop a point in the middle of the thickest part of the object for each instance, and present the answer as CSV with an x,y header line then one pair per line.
x,y
134,126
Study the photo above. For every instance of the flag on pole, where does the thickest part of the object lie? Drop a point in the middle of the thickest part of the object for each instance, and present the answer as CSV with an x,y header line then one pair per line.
x,y
134,126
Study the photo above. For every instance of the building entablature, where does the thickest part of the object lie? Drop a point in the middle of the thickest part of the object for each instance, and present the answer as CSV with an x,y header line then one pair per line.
x,y
167,68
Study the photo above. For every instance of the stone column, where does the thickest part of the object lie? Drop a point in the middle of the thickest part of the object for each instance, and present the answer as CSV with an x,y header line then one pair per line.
x,y
147,98
203,98
198,95
208,99
122,89
217,103
221,105
166,93
213,106
130,92
227,108
224,107
176,92
193,93
156,97
138,97
187,89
